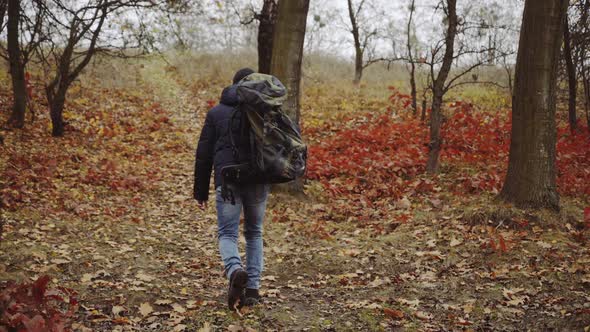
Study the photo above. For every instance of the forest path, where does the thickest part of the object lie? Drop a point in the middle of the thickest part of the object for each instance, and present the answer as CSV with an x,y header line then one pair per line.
x,y
156,266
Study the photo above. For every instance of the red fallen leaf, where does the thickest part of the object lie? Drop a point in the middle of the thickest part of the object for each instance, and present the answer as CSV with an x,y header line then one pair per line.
x,y
18,319
155,127
587,215
39,288
396,314
502,243
37,324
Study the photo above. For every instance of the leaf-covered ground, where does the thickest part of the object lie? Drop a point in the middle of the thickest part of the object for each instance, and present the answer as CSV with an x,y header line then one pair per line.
x,y
106,212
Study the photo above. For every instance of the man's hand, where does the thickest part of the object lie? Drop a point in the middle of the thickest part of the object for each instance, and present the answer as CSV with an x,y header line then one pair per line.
x,y
202,205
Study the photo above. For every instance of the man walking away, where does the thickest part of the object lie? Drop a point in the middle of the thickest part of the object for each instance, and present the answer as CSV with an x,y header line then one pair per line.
x,y
216,150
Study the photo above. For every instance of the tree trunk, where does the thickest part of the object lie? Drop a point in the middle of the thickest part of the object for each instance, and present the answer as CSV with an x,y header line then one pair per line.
x,y
17,70
435,145
267,18
585,10
587,88
287,53
586,82
510,83
571,75
287,56
358,67
531,177
438,89
413,92
57,89
358,50
57,100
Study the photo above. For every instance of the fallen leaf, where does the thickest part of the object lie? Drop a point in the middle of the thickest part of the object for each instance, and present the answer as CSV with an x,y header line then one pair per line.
x,y
178,308
179,327
87,277
413,303
144,277
423,315
269,278
117,309
234,328
145,309
206,328
379,282
455,242
121,321
509,293
396,314
403,204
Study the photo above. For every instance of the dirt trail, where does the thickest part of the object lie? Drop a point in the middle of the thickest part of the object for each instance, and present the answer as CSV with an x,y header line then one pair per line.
x,y
163,273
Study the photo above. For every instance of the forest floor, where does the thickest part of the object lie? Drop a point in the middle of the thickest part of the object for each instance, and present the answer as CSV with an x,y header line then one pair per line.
x,y
106,212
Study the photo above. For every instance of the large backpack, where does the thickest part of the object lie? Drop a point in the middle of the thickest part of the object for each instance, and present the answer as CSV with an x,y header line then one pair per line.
x,y
277,152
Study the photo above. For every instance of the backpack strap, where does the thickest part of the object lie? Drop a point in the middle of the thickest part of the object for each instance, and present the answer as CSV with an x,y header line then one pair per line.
x,y
234,148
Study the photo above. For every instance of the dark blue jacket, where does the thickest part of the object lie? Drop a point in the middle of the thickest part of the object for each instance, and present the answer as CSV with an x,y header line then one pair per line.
x,y
215,148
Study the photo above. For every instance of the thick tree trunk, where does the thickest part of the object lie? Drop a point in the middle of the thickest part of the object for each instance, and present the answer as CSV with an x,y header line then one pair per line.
x,y
571,75
438,89
287,53
267,18
531,177
287,56
17,70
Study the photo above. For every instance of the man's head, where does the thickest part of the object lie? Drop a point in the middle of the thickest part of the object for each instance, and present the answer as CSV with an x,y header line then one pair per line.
x,y
242,73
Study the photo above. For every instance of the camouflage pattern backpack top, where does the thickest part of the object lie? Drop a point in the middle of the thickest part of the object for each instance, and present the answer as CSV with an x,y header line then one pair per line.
x,y
278,153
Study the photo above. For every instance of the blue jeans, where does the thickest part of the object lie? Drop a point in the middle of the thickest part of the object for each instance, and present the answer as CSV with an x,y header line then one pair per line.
x,y
252,198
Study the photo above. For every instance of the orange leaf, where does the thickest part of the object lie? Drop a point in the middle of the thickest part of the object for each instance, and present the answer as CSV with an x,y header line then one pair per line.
x,y
396,314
